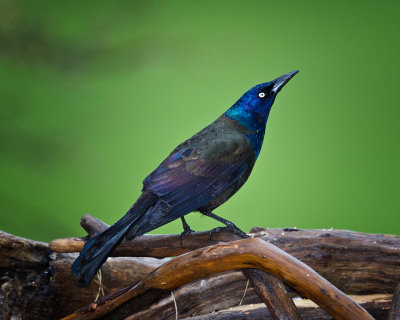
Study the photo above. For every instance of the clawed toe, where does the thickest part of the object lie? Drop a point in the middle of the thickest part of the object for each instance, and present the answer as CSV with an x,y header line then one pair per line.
x,y
216,230
230,227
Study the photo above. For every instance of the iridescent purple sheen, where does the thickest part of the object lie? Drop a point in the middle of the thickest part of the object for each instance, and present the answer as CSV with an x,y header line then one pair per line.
x,y
200,174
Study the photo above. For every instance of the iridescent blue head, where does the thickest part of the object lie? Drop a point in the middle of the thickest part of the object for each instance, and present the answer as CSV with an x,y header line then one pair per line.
x,y
252,109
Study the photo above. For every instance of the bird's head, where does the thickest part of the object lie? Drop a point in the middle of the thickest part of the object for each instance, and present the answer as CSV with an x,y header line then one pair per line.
x,y
255,104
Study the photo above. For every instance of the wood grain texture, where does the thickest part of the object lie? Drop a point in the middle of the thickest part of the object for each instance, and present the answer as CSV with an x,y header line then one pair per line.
x,y
358,263
247,253
272,291
32,279
26,275
377,305
394,313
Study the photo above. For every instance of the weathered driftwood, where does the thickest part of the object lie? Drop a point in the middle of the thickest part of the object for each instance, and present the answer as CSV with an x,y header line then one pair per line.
x,y
211,296
34,282
92,225
24,272
202,296
377,304
394,313
115,274
356,263
247,253
272,291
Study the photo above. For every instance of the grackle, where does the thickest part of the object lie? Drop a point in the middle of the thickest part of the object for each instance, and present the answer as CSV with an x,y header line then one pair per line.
x,y
199,175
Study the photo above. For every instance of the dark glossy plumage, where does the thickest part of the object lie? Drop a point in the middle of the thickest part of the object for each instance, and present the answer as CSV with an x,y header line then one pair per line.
x,y
199,175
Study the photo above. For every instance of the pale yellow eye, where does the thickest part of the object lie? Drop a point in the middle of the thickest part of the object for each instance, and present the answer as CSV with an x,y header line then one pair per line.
x,y
261,94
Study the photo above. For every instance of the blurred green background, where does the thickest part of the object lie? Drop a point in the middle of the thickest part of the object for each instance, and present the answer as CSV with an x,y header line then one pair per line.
x,y
95,94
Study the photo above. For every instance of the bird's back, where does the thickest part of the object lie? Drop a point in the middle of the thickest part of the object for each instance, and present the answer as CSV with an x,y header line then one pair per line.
x,y
200,174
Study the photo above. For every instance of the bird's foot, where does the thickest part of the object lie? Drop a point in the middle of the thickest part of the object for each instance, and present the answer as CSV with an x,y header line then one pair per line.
x,y
216,230
231,227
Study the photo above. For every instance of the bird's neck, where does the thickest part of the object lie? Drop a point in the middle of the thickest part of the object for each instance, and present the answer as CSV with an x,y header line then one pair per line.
x,y
253,123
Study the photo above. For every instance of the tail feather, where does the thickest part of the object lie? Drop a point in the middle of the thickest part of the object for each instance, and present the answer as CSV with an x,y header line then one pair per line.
x,y
96,251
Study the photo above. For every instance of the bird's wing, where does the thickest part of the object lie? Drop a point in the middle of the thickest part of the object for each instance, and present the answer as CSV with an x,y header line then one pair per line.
x,y
184,182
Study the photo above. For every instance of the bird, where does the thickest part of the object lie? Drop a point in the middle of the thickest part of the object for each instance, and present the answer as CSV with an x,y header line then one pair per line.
x,y
200,174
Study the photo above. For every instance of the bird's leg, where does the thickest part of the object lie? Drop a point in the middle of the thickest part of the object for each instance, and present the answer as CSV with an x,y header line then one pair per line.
x,y
229,225
186,230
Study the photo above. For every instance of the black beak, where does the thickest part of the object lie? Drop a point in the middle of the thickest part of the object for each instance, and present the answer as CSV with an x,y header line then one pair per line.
x,y
281,81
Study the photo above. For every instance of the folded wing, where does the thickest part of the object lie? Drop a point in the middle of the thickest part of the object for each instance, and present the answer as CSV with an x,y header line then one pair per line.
x,y
184,182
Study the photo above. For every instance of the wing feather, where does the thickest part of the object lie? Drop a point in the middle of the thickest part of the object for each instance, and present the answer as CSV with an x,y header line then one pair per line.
x,y
184,182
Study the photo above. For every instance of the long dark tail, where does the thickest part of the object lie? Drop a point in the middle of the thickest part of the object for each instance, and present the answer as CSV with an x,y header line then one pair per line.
x,y
96,251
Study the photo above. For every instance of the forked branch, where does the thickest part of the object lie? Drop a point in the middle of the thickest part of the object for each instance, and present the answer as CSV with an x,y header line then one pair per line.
x,y
247,253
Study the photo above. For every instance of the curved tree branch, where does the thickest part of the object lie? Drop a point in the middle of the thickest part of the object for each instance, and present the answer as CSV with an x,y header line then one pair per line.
x,y
272,291
248,253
